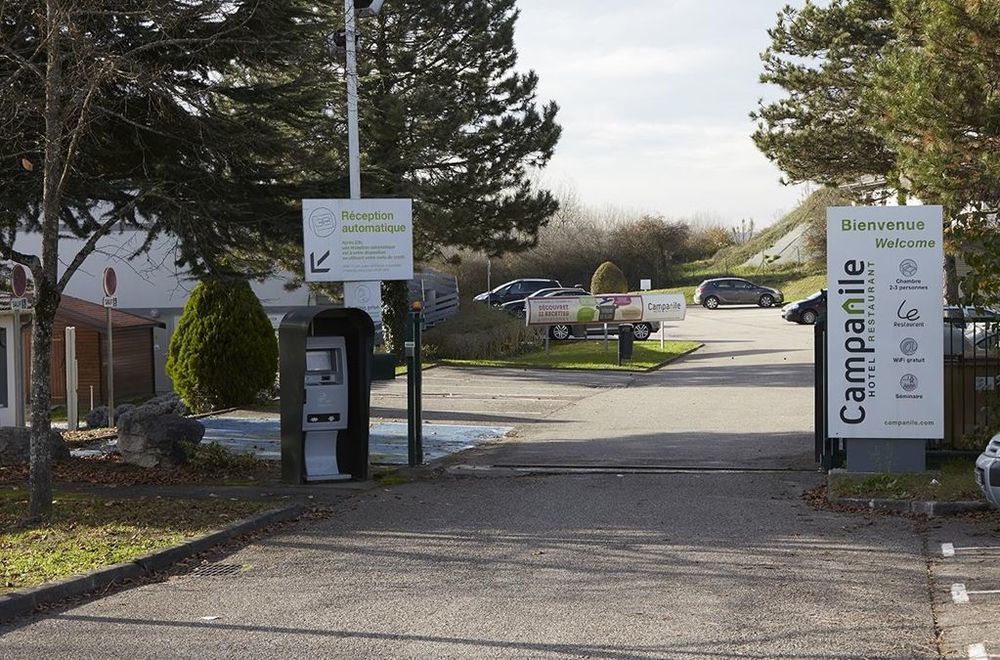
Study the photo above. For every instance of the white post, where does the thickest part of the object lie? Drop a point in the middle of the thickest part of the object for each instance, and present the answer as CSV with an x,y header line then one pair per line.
x,y
111,373
18,370
72,396
353,141
663,331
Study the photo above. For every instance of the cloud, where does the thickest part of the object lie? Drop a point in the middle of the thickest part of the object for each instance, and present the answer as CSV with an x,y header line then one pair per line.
x,y
633,62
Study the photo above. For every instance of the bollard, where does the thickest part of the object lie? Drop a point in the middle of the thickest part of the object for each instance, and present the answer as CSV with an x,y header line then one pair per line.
x,y
414,385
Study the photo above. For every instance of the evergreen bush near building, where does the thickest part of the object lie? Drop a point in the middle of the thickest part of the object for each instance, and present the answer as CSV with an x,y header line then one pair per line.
x,y
223,352
608,278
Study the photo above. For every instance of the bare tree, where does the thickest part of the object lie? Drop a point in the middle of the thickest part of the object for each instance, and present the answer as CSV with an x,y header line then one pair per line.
x,y
163,115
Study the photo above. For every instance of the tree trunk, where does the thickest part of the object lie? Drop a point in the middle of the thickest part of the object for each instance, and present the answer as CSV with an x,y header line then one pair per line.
x,y
46,272
395,304
40,482
951,294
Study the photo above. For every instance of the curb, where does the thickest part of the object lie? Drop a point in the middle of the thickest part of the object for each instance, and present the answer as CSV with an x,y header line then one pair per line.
x,y
931,509
20,603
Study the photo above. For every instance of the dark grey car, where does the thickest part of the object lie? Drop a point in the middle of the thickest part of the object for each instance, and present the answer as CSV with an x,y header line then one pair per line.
x,y
735,291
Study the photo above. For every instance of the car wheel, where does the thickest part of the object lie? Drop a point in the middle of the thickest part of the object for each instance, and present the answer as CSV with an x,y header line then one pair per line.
x,y
711,302
808,317
766,300
560,332
641,331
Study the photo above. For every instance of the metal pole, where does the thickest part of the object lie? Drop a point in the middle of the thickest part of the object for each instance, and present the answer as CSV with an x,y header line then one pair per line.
x,y
414,416
353,141
72,396
111,372
18,370
418,381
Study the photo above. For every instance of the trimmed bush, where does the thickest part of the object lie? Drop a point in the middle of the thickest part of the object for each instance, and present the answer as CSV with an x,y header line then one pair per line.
x,y
478,332
608,278
223,352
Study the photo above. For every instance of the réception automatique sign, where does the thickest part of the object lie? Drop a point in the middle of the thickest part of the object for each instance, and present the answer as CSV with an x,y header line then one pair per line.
x,y
611,308
885,341
352,240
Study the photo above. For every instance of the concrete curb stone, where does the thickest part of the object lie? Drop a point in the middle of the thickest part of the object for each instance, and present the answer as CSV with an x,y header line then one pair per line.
x,y
930,509
20,603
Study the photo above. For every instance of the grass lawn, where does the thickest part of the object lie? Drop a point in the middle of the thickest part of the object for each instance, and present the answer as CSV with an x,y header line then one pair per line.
x,y
86,532
955,482
589,354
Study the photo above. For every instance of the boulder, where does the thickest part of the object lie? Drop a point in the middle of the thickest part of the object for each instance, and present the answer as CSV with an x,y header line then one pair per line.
x,y
15,445
149,437
97,418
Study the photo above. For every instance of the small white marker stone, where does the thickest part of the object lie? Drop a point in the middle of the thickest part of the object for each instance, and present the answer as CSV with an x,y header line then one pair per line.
x,y
958,593
977,652
947,550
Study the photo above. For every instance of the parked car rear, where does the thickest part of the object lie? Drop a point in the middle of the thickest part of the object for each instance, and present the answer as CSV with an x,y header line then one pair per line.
x,y
806,311
515,290
735,291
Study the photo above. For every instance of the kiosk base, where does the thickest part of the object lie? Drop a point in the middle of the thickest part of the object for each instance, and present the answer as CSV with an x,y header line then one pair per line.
x,y
321,457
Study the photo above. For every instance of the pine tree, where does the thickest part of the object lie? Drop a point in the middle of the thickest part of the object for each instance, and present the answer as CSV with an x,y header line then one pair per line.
x,y
446,120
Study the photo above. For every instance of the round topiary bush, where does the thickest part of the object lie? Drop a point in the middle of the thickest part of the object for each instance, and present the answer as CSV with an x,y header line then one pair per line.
x,y
223,352
608,278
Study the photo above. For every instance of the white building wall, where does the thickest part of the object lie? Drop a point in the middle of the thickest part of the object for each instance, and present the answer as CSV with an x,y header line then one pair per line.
x,y
151,285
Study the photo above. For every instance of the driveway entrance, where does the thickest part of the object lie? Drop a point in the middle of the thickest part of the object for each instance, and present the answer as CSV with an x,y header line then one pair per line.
x,y
744,400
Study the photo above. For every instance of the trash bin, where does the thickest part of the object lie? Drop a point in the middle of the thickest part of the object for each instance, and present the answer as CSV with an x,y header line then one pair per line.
x,y
626,341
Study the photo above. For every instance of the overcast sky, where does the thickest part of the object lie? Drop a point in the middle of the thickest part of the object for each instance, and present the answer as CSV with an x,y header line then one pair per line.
x,y
654,98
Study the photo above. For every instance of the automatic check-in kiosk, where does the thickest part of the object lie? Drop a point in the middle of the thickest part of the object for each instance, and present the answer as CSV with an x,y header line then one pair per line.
x,y
326,356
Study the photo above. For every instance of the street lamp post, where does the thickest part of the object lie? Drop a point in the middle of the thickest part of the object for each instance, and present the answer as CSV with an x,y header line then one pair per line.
x,y
353,142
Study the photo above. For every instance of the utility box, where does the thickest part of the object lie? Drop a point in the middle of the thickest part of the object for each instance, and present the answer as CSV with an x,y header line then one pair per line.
x,y
626,342
326,358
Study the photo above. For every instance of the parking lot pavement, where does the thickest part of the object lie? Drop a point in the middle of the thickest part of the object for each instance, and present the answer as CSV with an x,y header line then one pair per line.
x,y
744,400
501,397
596,566
965,566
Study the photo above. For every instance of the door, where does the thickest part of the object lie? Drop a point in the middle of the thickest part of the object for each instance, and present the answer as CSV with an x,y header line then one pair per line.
x,y
746,293
724,291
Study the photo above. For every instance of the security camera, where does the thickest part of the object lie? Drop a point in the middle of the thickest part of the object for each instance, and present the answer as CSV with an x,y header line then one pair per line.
x,y
367,7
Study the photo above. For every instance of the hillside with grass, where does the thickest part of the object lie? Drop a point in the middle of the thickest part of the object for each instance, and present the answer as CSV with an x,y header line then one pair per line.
x,y
796,280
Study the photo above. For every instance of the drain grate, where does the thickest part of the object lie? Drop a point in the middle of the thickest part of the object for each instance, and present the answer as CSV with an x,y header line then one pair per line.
x,y
217,570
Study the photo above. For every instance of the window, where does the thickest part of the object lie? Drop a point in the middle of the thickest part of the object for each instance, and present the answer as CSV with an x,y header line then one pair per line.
x,y
724,284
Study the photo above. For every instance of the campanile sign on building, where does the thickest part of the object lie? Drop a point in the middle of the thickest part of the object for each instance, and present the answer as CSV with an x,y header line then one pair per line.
x,y
885,342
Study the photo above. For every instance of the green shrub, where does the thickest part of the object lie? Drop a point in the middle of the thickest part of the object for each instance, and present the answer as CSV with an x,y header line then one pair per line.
x,y
223,352
211,458
478,332
608,278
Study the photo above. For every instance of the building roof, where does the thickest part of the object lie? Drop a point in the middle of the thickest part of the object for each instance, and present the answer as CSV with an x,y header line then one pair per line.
x,y
76,310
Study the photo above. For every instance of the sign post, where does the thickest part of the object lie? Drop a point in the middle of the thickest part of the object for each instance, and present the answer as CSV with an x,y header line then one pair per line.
x,y
110,301
19,286
885,341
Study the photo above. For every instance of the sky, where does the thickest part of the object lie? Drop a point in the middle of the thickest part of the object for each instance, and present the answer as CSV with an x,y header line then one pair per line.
x,y
654,99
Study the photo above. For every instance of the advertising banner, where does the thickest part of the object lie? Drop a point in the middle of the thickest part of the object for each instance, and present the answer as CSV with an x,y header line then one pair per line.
x,y
611,308
885,338
357,240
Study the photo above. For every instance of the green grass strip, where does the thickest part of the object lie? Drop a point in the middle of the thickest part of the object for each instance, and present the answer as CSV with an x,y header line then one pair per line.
x,y
86,532
591,355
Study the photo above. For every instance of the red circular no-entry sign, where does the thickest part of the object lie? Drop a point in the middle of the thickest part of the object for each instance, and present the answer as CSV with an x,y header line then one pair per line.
x,y
110,282
18,280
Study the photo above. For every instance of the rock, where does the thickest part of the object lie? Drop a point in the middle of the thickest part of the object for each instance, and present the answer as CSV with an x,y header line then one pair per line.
x,y
97,418
150,437
122,409
15,443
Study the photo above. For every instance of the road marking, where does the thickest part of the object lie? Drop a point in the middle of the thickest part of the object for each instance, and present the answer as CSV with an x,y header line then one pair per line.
x,y
977,652
960,594
947,550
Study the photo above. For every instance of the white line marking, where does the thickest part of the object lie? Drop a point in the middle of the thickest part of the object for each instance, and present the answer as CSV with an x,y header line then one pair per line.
x,y
958,593
977,652
990,591
947,550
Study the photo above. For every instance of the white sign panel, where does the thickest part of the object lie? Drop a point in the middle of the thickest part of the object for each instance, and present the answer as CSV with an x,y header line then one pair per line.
x,y
352,240
610,308
885,340
366,296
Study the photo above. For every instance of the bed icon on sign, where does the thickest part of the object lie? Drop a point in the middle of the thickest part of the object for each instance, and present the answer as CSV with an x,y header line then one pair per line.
x,y
323,222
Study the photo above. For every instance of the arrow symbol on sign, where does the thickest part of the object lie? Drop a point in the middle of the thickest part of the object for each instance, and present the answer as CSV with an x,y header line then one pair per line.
x,y
313,263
